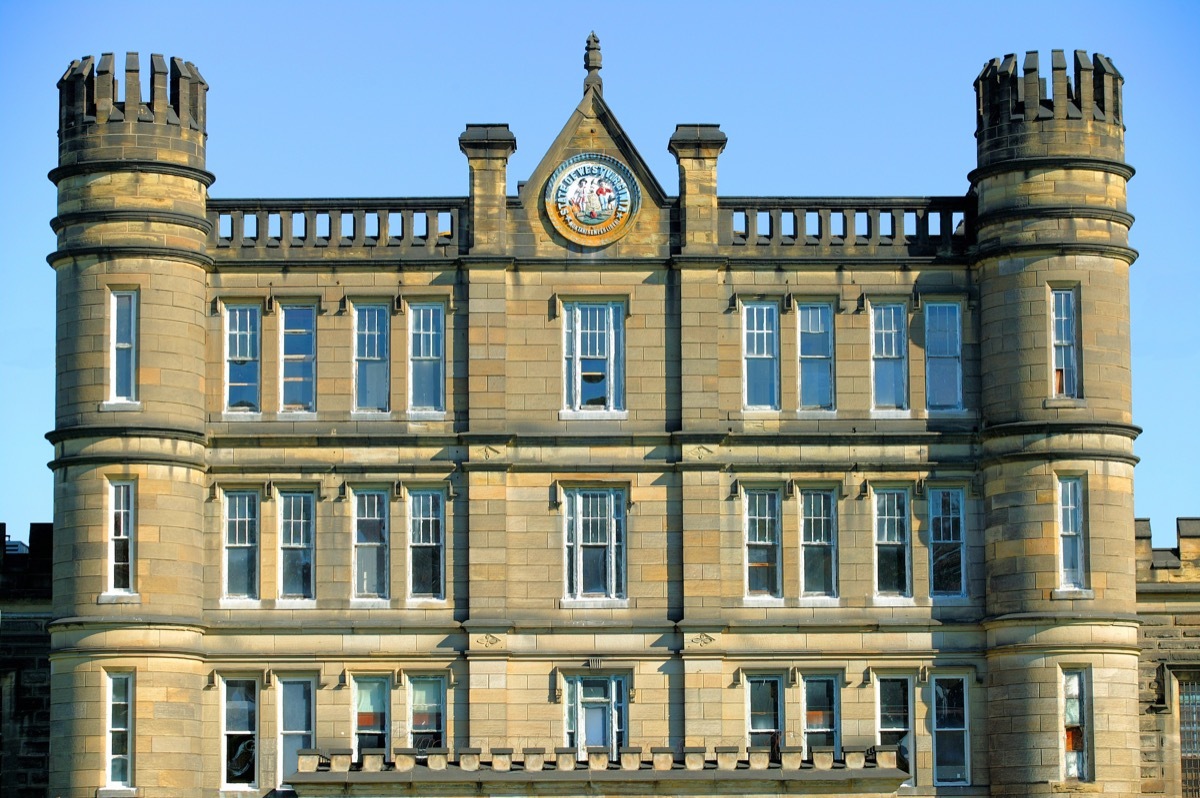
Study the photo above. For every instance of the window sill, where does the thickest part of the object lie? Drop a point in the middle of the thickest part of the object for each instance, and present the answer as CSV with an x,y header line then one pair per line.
x,y
1073,593
295,604
228,603
951,601
760,412
119,406
593,604
763,601
593,415
894,601
815,413
426,415
950,412
117,792
242,415
820,601
370,604
420,602
1064,402
370,415
891,413
297,415
114,597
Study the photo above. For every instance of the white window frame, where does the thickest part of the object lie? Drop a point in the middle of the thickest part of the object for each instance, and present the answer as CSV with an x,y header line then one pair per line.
x,y
614,542
1065,374
386,681
285,732
580,340
384,509
122,528
822,313
226,733
427,345
812,539
889,344
114,729
950,354
286,360
247,537
940,535
427,530
760,343
1082,699
834,680
964,730
121,393
617,703
755,541
372,345
780,710
909,730
243,343
443,706
1072,533
305,541
901,538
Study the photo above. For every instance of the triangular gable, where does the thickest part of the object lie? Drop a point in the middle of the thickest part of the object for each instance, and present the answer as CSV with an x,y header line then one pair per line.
x,y
592,127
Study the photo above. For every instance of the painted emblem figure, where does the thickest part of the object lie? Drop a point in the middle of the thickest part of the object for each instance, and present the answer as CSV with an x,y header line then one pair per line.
x,y
592,199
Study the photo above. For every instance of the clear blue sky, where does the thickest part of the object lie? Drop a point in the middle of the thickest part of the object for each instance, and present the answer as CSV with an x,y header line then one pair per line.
x,y
367,99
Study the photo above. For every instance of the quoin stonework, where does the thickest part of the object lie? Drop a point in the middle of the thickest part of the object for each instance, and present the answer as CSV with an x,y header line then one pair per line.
x,y
597,489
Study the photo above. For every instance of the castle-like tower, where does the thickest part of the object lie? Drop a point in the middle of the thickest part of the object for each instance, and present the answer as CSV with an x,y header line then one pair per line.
x,y
129,431
1053,263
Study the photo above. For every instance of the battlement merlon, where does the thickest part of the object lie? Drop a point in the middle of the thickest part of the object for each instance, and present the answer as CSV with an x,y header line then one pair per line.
x,y
88,94
1021,114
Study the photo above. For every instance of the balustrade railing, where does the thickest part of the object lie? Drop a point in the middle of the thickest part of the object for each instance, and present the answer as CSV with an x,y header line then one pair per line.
x,y
421,227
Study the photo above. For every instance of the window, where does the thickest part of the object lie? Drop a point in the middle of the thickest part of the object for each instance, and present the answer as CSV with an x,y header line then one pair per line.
x,y
1070,501
372,387
760,321
296,723
895,717
889,357
820,713
427,384
1075,725
596,713
766,712
299,348
371,703
121,538
595,543
123,333
816,357
819,549
948,546
120,730
241,357
370,544
1189,734
950,763
427,554
943,357
594,349
296,545
241,733
762,543
428,721
891,543
241,544
1066,369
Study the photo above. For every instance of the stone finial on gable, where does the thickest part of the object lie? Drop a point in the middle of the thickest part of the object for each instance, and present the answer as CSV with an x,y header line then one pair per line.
x,y
591,62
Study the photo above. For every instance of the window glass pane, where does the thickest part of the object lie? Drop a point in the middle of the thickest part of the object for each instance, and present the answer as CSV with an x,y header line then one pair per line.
x,y
761,347
595,543
427,357
889,384
889,356
241,723
242,354
818,570
371,357
297,706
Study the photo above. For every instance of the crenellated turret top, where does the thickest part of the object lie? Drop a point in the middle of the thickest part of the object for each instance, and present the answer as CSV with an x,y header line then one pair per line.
x,y
1021,115
88,94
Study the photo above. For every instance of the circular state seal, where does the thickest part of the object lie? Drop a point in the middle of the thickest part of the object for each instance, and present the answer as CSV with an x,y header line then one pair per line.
x,y
592,199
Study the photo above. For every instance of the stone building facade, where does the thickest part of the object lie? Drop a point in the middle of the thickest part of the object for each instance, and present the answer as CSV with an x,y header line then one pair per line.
x,y
597,489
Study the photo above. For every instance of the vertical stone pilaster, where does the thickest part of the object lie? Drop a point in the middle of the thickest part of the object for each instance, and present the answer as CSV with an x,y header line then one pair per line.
x,y
487,338
696,148
488,148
